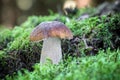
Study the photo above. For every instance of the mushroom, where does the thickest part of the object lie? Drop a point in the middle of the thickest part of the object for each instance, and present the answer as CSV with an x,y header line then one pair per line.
x,y
51,32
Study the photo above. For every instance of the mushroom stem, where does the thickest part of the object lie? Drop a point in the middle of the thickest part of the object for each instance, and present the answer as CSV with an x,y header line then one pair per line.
x,y
51,50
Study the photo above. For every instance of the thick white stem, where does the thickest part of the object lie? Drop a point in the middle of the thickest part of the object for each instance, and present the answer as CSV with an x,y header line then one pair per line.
x,y
51,50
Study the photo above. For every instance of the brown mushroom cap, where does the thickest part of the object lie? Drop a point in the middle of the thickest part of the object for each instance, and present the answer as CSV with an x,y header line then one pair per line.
x,y
50,29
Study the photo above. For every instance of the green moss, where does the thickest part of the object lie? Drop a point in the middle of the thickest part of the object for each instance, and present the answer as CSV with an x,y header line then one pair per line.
x,y
105,29
104,66
2,54
84,26
5,38
21,38
4,34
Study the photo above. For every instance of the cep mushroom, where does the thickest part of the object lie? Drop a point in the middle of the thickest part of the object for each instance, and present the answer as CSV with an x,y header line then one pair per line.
x,y
51,32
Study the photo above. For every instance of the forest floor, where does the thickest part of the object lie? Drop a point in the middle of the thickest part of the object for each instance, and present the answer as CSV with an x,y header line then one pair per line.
x,y
93,53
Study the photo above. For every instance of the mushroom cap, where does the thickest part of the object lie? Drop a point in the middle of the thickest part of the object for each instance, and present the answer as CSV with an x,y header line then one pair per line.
x,y
50,29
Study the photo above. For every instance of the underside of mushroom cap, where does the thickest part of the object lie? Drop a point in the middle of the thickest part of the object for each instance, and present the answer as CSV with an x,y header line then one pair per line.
x,y
50,29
